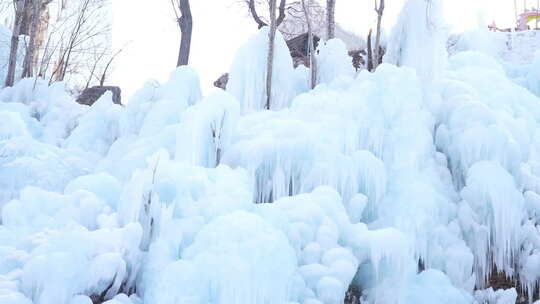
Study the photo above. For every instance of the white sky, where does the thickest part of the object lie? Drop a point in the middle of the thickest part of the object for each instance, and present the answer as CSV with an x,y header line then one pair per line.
x,y
221,26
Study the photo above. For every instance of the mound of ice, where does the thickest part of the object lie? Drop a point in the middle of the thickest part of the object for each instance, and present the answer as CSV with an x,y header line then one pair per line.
x,y
27,162
230,265
12,125
247,77
97,129
156,106
333,61
418,39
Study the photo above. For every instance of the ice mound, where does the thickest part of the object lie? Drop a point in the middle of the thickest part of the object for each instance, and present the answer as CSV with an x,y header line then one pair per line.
x,y
247,77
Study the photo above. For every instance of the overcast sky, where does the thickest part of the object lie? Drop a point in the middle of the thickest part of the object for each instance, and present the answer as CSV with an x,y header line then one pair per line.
x,y
221,26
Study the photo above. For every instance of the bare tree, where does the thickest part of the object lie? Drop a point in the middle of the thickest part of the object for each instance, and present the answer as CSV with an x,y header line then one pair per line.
x,y
330,18
104,74
73,39
295,22
271,47
31,19
13,52
379,9
98,57
72,43
311,51
100,65
42,31
28,65
253,4
182,10
46,38
82,26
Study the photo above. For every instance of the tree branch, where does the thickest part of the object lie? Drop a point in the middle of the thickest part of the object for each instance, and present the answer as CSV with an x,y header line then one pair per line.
x,y
281,16
253,12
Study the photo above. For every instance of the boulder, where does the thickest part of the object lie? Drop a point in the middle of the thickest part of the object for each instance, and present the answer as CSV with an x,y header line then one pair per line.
x,y
91,95
222,81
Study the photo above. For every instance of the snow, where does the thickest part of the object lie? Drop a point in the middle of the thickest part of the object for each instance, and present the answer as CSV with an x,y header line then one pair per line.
x,y
414,183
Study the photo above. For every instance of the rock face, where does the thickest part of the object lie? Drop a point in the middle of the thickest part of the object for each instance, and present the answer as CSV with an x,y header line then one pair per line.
x,y
91,95
221,82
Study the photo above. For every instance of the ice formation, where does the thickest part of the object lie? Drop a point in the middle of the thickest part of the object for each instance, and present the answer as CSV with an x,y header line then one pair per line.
x,y
247,78
407,190
333,61
419,39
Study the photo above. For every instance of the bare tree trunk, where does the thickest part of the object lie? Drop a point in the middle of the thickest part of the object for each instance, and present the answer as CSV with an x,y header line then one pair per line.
x,y
330,19
28,65
26,23
378,56
42,29
271,46
66,56
311,51
260,23
19,11
186,27
369,52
